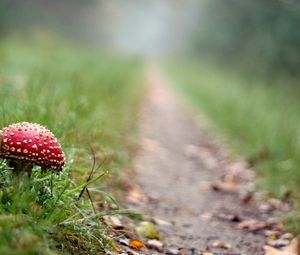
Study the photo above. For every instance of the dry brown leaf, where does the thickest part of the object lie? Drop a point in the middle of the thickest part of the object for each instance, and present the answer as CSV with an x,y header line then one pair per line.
x,y
253,225
161,222
135,196
235,217
225,186
246,197
292,249
221,245
136,244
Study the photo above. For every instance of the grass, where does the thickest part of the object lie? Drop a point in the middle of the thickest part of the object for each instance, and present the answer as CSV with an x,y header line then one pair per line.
x,y
89,100
259,119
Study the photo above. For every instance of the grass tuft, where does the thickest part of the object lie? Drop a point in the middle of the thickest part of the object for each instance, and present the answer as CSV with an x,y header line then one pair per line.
x,y
88,99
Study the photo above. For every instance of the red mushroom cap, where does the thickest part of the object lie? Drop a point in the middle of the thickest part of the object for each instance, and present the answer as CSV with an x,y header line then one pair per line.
x,y
32,142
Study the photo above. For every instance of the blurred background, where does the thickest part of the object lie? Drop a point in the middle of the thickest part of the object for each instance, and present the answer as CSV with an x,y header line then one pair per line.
x,y
260,35
236,60
140,27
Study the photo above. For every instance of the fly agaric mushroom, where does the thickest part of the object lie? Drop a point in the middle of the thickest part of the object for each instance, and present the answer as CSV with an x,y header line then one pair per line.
x,y
25,144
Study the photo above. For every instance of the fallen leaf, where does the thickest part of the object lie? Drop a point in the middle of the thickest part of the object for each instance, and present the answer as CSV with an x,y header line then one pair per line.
x,y
272,237
292,249
136,244
135,196
230,217
246,197
221,245
148,230
162,222
225,186
253,225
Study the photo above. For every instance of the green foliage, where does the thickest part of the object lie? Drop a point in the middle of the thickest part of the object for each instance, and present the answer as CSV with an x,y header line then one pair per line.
x,y
147,229
88,100
262,36
44,213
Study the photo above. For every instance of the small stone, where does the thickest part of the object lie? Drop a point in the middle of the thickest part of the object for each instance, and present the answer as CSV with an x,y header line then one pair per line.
x,y
172,251
278,243
154,245
287,236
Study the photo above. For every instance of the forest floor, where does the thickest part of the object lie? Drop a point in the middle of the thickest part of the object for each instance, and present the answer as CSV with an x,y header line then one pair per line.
x,y
198,193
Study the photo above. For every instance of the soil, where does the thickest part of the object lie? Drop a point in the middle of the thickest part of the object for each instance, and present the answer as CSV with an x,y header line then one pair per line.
x,y
176,166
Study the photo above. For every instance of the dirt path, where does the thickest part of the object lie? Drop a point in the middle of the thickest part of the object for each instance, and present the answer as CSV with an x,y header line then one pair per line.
x,y
175,167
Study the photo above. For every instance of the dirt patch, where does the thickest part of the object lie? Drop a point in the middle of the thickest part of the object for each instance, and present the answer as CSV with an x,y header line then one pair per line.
x,y
192,186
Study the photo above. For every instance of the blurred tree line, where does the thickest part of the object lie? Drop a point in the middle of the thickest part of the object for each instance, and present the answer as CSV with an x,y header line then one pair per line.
x,y
262,36
69,17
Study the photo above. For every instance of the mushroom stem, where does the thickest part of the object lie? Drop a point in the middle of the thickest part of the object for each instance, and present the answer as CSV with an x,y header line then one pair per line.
x,y
20,166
